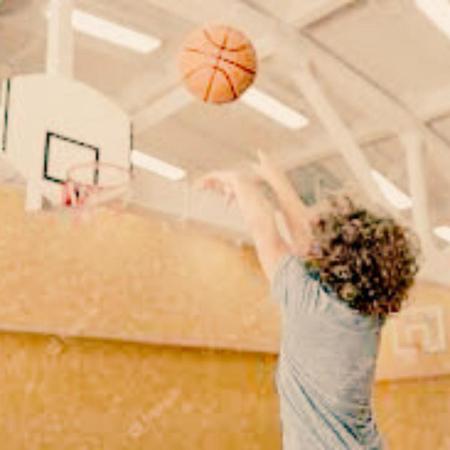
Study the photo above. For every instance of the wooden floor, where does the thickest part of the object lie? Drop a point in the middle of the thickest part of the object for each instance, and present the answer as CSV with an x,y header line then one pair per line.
x,y
415,414
95,395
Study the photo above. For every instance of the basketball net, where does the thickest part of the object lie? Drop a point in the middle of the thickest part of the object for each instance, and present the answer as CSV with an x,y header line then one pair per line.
x,y
94,185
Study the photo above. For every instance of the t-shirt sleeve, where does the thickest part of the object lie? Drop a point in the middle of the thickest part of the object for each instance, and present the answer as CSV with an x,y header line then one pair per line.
x,y
288,280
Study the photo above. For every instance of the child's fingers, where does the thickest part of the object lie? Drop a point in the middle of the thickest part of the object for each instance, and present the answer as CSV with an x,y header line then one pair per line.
x,y
208,181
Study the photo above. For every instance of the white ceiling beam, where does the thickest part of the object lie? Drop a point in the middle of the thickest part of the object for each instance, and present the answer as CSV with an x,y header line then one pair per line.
x,y
434,105
161,108
368,95
192,10
60,45
302,14
338,131
414,145
378,102
199,12
299,14
152,84
364,134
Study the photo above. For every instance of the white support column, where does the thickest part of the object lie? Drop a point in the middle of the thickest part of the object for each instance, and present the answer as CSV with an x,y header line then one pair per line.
x,y
60,50
302,14
60,47
338,131
414,146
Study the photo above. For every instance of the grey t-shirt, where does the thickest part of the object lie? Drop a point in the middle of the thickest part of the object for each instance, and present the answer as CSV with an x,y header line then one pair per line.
x,y
326,366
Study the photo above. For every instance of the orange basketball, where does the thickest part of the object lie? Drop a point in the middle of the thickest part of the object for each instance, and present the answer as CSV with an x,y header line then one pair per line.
x,y
218,63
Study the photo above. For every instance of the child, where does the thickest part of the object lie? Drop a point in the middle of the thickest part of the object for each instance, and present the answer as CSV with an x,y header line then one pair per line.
x,y
342,273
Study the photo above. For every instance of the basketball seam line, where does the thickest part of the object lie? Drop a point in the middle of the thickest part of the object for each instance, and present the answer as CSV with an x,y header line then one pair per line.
x,y
221,58
215,67
226,74
228,78
222,47
213,75
195,70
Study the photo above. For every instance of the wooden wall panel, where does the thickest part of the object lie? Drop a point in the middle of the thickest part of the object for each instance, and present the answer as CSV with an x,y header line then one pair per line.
x,y
130,277
94,395
140,278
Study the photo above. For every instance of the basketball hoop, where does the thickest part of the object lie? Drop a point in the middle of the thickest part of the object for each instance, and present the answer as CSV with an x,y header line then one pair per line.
x,y
93,185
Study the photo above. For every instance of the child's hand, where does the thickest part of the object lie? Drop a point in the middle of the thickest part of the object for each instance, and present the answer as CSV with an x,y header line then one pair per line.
x,y
222,182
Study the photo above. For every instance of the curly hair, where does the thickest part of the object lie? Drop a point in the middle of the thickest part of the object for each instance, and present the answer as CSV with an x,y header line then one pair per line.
x,y
369,261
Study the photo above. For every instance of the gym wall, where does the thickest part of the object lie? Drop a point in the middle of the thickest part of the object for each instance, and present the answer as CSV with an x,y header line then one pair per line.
x,y
162,336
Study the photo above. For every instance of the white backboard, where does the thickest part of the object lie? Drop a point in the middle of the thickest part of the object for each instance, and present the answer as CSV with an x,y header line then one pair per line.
x,y
51,123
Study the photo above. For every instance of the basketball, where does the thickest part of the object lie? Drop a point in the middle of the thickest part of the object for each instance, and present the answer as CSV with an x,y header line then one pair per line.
x,y
218,63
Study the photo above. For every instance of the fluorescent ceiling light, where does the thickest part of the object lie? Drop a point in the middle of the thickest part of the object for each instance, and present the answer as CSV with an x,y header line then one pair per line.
x,y
392,193
274,109
112,32
443,232
157,166
438,11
